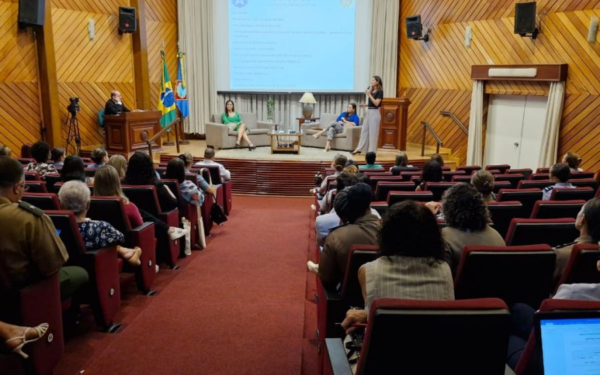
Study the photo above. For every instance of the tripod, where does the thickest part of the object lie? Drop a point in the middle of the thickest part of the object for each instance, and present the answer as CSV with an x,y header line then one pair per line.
x,y
73,133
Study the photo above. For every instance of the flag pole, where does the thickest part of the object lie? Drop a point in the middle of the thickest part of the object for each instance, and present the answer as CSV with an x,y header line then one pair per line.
x,y
163,57
182,139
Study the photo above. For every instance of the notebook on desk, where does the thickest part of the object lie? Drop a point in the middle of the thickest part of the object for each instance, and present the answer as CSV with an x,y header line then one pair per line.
x,y
569,342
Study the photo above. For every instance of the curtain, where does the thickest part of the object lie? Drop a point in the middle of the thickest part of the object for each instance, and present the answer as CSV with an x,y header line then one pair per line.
x,y
287,108
195,23
475,143
384,43
549,150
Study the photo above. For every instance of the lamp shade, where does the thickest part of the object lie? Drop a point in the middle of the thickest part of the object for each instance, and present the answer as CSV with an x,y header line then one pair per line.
x,y
308,98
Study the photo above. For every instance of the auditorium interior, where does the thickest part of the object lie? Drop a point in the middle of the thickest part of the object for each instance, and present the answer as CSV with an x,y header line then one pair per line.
x,y
223,196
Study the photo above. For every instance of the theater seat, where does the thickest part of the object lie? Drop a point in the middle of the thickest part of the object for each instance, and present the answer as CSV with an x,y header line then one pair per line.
x,y
102,266
499,185
187,210
32,176
429,337
526,172
499,167
556,209
461,178
554,232
528,364
538,184
539,176
513,178
30,306
43,201
584,182
51,180
566,194
469,169
438,189
527,197
502,214
400,196
380,206
36,186
581,267
215,174
375,179
511,273
144,196
581,175
383,188
112,210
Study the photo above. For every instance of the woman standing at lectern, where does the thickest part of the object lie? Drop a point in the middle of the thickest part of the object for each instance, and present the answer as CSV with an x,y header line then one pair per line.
x,y
370,128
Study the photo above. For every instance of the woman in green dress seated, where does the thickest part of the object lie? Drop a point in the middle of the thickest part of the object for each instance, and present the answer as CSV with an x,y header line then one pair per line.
x,y
234,121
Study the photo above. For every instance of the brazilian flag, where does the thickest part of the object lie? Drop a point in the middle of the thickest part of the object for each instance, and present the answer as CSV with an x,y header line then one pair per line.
x,y
166,103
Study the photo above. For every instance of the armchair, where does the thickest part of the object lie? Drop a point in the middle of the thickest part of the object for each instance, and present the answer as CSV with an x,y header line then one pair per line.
x,y
345,141
221,137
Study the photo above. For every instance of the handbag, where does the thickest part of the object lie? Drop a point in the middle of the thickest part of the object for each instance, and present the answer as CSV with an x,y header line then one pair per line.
x,y
217,213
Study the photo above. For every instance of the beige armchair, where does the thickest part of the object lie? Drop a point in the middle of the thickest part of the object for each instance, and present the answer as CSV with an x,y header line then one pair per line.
x,y
345,141
221,137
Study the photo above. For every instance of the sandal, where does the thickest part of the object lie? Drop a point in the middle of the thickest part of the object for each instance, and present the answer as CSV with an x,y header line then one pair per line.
x,y
41,331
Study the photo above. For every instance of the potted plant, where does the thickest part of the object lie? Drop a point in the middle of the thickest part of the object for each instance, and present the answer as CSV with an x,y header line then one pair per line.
x,y
270,109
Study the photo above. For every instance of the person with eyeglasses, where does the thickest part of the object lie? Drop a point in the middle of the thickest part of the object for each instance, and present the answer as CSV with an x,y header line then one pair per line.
x,y
30,249
114,105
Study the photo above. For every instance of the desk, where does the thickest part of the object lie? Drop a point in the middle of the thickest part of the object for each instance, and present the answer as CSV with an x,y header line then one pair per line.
x,y
284,141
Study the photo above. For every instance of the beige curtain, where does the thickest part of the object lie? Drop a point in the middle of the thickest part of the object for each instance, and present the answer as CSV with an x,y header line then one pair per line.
x,y
384,43
475,143
556,99
287,107
196,40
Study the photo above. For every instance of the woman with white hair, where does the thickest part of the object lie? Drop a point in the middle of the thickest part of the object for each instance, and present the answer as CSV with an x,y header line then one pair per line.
x,y
75,196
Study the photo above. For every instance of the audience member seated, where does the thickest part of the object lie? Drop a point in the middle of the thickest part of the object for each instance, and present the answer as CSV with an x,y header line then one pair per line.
x,y
467,220
559,174
74,170
99,157
108,184
30,249
483,181
338,164
209,159
400,164
573,161
140,171
411,265
189,191
40,151
57,154
432,172
15,337
370,159
588,224
351,169
188,160
438,158
119,163
5,151
348,118
75,196
522,316
360,227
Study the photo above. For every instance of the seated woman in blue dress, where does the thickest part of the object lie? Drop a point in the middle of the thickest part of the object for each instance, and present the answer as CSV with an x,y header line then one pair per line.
x,y
348,118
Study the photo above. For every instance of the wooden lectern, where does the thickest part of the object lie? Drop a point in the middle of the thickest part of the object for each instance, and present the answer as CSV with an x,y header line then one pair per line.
x,y
394,123
124,131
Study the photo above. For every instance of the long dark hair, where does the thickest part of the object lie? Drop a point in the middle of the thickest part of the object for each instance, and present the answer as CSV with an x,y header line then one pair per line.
x,y
176,170
73,169
232,106
401,159
140,170
432,172
379,83
410,229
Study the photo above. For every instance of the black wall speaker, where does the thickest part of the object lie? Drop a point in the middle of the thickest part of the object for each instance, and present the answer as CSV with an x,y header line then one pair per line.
x,y
31,12
127,21
525,18
414,29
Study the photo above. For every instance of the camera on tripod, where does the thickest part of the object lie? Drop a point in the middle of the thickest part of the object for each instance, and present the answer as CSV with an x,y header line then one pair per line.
x,y
73,107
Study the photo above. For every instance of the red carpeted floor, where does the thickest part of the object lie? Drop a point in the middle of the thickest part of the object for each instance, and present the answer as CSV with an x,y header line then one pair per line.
x,y
237,307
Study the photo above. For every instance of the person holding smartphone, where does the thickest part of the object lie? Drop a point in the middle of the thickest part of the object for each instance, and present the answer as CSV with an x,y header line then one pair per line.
x,y
370,129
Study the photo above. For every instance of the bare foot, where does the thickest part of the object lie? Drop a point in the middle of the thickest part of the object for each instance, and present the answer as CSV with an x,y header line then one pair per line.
x,y
317,135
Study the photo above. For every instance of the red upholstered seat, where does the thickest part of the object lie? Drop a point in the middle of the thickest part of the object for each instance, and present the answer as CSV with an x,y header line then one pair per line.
x,y
583,182
215,174
36,186
448,175
51,180
539,176
513,178
461,178
466,337
526,172
499,167
567,194
469,169
32,176
399,196
380,206
383,188
188,210
526,364
582,265
529,184
527,197
101,265
502,214
375,179
554,232
545,170
556,209
112,210
511,273
43,201
438,189
581,175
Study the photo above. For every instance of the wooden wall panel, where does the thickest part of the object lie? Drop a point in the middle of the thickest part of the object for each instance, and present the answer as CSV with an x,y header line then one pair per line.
x,y
161,26
436,75
90,69
20,114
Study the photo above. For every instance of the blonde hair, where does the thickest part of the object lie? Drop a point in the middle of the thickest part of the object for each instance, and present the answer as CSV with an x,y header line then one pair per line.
x,y
5,151
483,182
572,160
108,184
352,169
119,163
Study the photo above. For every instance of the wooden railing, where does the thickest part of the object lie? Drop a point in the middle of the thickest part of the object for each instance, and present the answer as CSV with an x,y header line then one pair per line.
x,y
426,128
456,121
173,125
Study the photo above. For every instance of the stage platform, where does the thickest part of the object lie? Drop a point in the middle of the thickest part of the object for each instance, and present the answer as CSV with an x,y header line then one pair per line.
x,y
259,172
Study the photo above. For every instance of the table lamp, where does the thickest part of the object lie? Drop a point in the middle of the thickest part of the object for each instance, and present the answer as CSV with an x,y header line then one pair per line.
x,y
309,102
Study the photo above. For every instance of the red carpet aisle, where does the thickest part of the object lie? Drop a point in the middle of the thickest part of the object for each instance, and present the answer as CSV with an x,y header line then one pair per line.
x,y
235,308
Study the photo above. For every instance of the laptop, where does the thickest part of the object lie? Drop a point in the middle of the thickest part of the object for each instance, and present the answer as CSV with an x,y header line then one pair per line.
x,y
568,342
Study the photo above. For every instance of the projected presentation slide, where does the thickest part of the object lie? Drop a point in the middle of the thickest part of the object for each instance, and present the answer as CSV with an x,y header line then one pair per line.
x,y
571,347
291,44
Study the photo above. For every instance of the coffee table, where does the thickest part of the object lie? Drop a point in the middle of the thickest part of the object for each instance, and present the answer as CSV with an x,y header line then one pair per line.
x,y
285,141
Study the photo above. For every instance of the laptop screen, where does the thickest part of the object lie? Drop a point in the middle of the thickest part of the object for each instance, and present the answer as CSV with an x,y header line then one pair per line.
x,y
570,344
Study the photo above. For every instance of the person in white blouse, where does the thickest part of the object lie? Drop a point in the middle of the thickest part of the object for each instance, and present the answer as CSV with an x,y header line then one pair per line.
x,y
209,159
